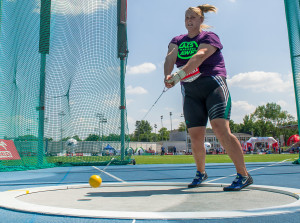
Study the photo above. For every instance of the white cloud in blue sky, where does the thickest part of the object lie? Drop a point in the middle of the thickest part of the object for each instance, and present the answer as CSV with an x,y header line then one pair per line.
x,y
143,110
242,107
131,121
135,90
261,81
129,101
141,69
282,103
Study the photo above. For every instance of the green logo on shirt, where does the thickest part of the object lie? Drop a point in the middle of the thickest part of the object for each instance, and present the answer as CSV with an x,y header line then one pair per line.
x,y
187,49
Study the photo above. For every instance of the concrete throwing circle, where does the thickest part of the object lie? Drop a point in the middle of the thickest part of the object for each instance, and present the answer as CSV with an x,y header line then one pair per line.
x,y
152,201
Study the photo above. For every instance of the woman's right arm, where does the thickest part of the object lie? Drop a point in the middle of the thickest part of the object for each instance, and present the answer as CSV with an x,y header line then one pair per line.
x,y
170,62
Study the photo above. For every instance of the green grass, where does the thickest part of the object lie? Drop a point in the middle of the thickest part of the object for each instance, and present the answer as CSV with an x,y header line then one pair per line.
x,y
182,159
30,162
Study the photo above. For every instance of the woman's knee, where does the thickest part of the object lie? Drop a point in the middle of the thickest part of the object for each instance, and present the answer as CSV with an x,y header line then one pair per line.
x,y
197,134
220,127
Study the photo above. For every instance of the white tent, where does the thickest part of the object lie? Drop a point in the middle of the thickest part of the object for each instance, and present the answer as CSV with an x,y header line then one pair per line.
x,y
269,140
139,149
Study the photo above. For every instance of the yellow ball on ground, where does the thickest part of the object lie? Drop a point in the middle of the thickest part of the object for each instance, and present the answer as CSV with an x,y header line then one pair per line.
x,y
95,181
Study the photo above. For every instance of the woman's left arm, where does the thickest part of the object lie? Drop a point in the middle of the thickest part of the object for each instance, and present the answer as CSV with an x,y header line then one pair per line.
x,y
204,51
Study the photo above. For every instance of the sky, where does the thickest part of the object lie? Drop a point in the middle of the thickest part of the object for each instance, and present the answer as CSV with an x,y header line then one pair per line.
x,y
256,52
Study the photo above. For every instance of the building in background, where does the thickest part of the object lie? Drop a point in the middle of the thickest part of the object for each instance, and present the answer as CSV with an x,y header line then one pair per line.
x,y
182,141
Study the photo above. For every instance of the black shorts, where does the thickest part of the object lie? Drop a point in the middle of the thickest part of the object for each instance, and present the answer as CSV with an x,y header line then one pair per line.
x,y
206,97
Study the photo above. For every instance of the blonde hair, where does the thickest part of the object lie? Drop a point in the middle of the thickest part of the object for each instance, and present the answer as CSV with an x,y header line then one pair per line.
x,y
201,9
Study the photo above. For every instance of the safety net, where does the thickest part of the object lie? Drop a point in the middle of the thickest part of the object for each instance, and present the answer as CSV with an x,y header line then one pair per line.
x,y
292,9
60,100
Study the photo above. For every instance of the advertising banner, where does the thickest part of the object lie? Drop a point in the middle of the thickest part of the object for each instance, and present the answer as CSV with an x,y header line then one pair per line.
x,y
8,150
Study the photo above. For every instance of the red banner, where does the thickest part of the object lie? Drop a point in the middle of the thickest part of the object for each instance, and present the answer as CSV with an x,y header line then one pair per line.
x,y
8,150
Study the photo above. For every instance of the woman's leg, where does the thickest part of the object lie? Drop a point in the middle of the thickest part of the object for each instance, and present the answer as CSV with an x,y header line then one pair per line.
x,y
230,143
197,135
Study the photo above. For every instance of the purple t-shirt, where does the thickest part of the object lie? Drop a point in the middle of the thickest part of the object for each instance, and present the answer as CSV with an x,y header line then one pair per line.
x,y
187,47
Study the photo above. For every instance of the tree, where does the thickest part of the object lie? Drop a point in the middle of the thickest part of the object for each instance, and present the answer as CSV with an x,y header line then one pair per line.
x,y
27,138
142,130
66,138
182,127
112,137
248,124
132,137
286,132
153,137
164,134
234,127
77,138
271,112
92,137
267,119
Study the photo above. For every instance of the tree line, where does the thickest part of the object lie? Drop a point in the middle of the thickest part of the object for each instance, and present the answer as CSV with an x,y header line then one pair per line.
x,y
266,121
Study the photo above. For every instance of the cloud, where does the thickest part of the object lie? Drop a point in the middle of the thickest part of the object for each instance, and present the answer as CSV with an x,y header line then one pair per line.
x,y
240,109
144,110
141,69
168,109
130,120
282,103
77,7
129,101
232,1
289,107
243,106
136,90
260,81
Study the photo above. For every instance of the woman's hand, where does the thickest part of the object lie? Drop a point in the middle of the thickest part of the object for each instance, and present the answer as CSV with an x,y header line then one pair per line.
x,y
173,79
167,84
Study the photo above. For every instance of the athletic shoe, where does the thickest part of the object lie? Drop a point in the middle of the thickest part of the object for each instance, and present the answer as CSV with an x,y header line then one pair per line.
x,y
199,178
239,183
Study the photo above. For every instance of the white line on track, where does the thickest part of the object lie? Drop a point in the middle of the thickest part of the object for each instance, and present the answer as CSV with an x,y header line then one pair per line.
x,y
274,164
102,171
117,178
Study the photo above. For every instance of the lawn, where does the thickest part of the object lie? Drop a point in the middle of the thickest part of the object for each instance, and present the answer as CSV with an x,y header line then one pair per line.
x,y
181,159
31,162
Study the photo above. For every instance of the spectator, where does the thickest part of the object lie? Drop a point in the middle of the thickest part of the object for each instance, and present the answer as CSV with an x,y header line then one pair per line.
x,y
162,150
